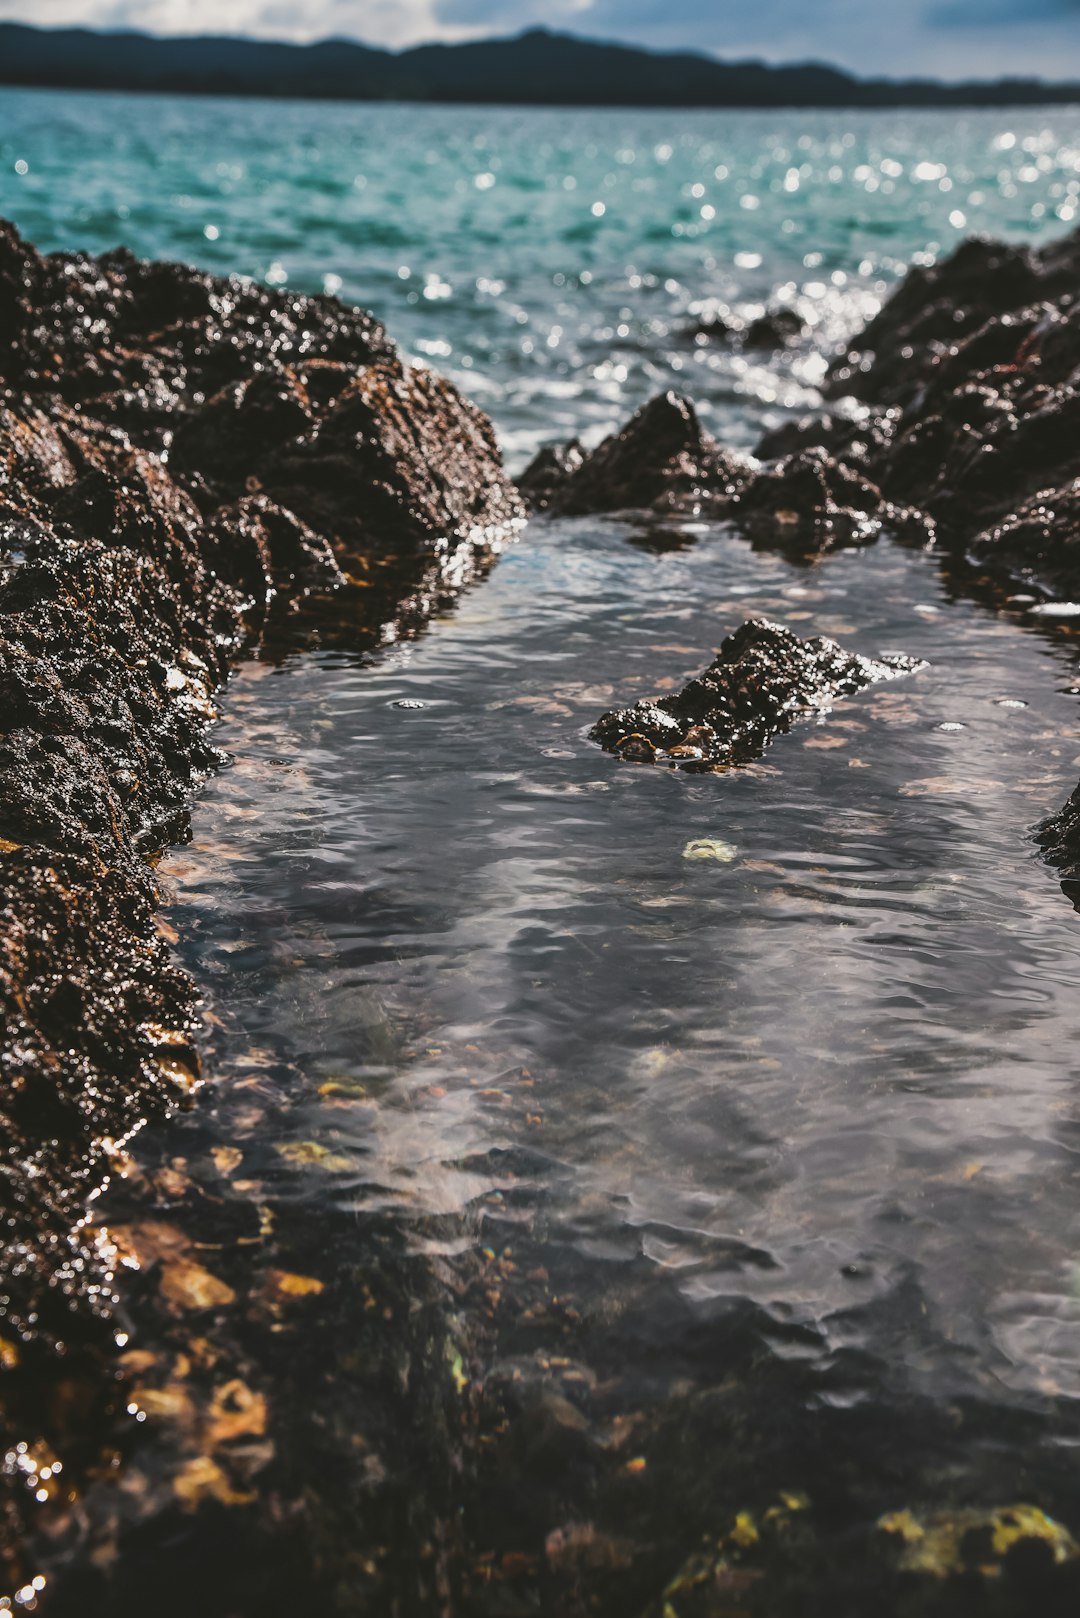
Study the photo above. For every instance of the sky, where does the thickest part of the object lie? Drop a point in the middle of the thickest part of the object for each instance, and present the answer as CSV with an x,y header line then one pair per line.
x,y
940,38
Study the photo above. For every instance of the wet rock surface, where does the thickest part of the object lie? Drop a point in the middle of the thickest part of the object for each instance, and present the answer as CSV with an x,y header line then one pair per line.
x,y
810,503
936,307
763,678
186,464
1059,839
664,464
662,459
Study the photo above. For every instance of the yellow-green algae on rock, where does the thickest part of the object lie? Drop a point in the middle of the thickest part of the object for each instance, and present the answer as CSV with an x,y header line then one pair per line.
x,y
955,1541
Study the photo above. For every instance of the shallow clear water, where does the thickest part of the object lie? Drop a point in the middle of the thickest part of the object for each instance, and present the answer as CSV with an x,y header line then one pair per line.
x,y
839,1043
574,1197
547,259
713,1183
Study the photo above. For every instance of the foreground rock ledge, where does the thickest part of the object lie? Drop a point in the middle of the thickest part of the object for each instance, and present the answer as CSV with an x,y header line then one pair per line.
x,y
186,463
763,678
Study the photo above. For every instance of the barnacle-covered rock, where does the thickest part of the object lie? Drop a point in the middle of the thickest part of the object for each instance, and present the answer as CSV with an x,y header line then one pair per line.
x,y
763,678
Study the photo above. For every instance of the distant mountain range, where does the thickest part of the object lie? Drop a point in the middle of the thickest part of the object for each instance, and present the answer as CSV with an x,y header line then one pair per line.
x,y
537,68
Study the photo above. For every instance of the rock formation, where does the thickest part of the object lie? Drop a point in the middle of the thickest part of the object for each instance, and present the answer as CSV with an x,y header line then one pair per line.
x,y
763,678
185,463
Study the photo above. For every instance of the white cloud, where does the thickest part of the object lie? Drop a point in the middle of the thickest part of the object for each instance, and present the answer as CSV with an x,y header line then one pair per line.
x,y
376,22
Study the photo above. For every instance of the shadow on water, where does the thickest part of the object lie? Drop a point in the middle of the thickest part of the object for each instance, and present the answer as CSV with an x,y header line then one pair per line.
x,y
575,1227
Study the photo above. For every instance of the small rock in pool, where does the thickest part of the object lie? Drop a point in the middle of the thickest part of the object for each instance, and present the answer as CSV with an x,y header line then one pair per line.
x,y
763,677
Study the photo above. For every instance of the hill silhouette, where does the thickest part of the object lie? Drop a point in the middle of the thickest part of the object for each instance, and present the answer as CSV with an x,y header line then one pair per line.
x,y
537,68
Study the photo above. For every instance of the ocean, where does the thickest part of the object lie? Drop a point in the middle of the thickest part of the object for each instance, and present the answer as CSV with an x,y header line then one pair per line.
x,y
549,260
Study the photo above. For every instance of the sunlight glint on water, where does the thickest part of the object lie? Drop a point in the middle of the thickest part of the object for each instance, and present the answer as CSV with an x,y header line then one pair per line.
x,y
550,260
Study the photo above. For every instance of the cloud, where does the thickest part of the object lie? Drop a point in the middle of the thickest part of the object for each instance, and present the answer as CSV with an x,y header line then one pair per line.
x,y
376,22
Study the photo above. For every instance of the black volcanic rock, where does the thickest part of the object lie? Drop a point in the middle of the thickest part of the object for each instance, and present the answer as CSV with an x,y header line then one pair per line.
x,y
763,678
972,373
548,474
860,439
811,503
936,307
776,328
186,464
1059,839
1039,542
665,464
662,459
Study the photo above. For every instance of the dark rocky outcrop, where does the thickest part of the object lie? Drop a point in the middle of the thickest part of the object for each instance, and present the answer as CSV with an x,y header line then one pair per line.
x,y
1039,542
714,324
184,462
810,502
662,459
772,330
966,429
776,328
936,306
763,678
665,464
545,480
1059,839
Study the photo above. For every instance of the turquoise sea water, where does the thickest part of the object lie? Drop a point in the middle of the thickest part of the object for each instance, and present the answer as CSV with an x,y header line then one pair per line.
x,y
547,259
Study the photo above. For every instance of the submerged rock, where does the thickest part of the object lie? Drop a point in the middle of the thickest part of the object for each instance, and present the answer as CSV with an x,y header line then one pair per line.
x,y
184,461
763,678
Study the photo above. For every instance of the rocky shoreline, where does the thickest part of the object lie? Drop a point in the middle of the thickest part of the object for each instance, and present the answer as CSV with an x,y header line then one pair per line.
x,y
187,465
192,467
957,426
955,423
